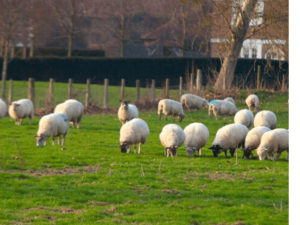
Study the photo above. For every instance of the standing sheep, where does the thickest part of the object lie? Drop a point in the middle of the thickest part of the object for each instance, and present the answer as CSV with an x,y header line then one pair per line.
x,y
127,112
252,140
3,108
53,125
273,141
230,137
170,107
265,118
133,132
220,107
196,136
193,101
171,137
21,109
244,117
73,109
229,99
252,101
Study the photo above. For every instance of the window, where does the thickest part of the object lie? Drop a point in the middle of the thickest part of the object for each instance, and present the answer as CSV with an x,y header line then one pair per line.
x,y
254,53
246,53
274,53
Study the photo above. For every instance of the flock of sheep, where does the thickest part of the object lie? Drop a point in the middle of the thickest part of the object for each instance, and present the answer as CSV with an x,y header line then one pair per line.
x,y
264,138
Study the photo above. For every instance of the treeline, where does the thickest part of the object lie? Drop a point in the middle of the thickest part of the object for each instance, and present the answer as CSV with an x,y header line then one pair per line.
x,y
97,69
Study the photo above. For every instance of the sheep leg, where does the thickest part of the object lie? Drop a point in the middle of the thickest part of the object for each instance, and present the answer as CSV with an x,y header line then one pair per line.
x,y
140,145
216,115
166,118
278,155
30,122
20,121
165,154
173,118
159,115
58,140
64,139
225,153
74,124
128,148
135,149
200,151
287,156
53,138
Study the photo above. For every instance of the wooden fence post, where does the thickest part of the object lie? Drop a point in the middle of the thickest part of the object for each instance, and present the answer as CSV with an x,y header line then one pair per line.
x,y
31,94
283,84
153,90
70,88
180,86
105,96
192,83
10,91
122,88
50,97
167,88
137,84
258,77
87,93
199,81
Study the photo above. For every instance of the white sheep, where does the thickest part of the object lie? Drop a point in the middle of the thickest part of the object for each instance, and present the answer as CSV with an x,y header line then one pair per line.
x,y
3,108
265,118
229,99
133,132
252,101
73,109
274,141
230,137
53,125
196,136
21,109
244,117
223,108
127,112
193,101
171,137
252,140
170,107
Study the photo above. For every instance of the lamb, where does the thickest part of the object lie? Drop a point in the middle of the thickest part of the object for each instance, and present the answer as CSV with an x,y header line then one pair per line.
x,y
193,101
127,112
73,109
229,99
230,137
21,109
252,140
265,118
133,132
220,107
244,117
171,137
252,101
196,136
170,107
53,125
3,108
273,141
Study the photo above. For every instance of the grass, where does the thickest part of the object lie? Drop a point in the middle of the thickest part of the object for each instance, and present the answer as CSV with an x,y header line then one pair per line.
x,y
89,181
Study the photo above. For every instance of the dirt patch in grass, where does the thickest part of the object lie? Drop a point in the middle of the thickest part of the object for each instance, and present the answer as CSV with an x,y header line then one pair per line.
x,y
216,176
62,210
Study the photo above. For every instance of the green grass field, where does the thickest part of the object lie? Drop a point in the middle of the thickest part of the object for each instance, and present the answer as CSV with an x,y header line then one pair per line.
x,y
89,180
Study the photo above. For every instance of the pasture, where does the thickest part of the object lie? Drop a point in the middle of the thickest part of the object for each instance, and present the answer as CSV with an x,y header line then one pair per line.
x,y
89,180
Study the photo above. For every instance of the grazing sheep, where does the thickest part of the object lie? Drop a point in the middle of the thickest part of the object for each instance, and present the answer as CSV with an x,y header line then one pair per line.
x,y
73,109
133,132
170,107
220,107
53,125
21,109
265,118
252,101
230,137
171,137
229,99
193,101
196,136
3,108
252,140
244,117
127,112
273,141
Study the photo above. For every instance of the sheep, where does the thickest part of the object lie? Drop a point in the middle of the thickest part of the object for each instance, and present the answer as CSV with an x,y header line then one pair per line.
x,y
3,108
252,140
244,117
196,136
193,101
230,137
265,118
252,101
21,109
273,141
53,125
229,99
171,137
127,112
220,107
73,109
170,107
133,132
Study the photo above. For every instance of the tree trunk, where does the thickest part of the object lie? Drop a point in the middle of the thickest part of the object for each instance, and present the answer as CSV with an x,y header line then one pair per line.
x,y
238,33
70,44
4,70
